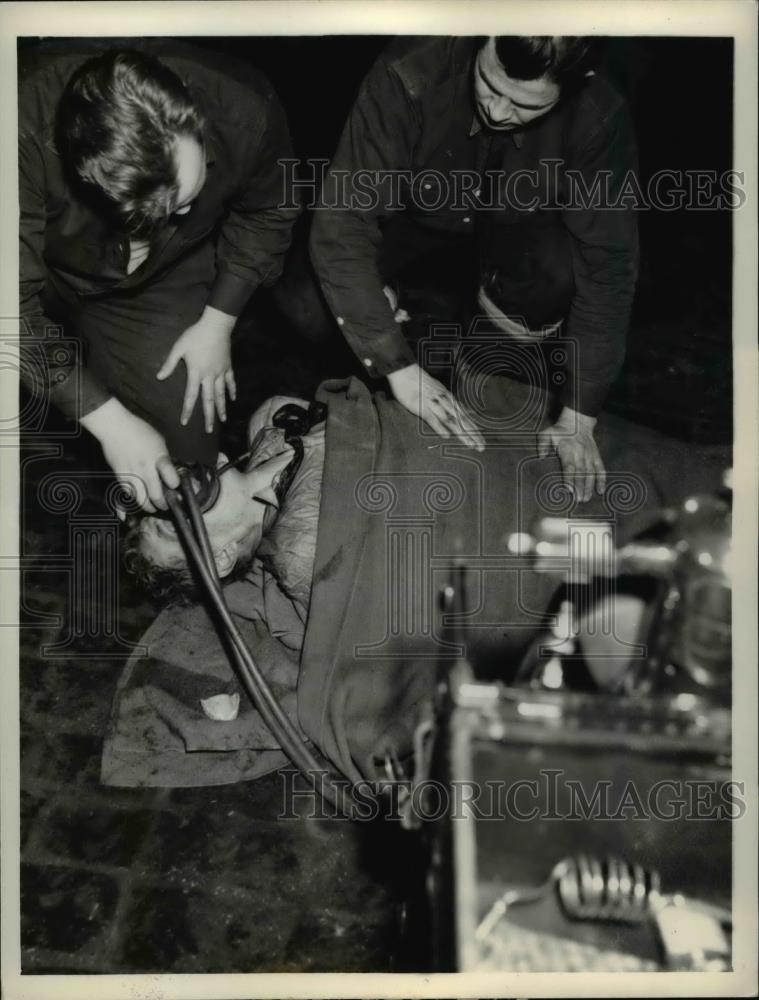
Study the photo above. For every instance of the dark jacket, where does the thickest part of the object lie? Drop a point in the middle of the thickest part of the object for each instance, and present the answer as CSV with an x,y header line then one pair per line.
x,y
67,246
415,112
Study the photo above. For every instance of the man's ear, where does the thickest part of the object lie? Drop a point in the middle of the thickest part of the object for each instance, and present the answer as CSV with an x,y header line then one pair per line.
x,y
226,559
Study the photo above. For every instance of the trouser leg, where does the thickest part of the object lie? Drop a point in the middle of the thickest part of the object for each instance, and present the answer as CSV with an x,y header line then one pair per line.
x,y
129,336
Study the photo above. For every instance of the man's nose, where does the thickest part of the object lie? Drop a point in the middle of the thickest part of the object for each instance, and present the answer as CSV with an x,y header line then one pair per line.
x,y
501,111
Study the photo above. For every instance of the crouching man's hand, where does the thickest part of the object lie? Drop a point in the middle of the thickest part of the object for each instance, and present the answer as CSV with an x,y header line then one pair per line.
x,y
135,451
571,438
205,349
429,399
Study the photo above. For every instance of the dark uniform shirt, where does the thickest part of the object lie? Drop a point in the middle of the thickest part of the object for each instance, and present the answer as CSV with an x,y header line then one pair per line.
x,y
67,245
543,254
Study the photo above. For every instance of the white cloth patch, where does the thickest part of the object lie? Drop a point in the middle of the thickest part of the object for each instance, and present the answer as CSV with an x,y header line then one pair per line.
x,y
221,707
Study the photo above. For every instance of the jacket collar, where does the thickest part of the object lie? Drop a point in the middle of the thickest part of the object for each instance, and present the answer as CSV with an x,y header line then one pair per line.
x,y
476,128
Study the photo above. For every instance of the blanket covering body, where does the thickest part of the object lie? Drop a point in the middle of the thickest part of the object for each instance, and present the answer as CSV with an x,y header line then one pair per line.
x,y
398,505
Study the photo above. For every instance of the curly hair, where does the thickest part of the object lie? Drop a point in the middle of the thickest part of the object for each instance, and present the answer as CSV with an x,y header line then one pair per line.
x,y
167,585
564,59
118,121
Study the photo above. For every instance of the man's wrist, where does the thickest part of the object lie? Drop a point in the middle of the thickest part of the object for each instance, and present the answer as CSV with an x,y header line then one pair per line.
x,y
218,320
573,420
401,371
107,417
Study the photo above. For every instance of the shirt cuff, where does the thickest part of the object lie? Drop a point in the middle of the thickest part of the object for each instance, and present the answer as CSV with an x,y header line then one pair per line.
x,y
382,355
587,398
78,394
230,294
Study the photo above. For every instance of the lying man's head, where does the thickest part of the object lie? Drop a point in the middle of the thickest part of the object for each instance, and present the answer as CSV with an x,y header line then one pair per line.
x,y
245,509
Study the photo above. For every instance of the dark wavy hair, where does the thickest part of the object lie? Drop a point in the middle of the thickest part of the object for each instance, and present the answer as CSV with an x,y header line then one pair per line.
x,y
564,59
167,585
118,120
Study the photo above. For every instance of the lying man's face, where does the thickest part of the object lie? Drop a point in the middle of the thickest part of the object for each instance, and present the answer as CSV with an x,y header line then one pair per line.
x,y
245,507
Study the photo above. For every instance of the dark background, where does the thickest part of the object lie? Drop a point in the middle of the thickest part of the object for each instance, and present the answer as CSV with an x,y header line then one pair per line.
x,y
678,374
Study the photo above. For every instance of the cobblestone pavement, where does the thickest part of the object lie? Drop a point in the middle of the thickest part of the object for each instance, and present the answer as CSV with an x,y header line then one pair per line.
x,y
168,880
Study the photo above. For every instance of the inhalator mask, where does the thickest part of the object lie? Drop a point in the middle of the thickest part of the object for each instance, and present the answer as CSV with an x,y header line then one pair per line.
x,y
203,482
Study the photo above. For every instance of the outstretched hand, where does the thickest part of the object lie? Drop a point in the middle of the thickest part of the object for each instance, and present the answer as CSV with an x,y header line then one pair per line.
x,y
571,438
429,399
205,349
